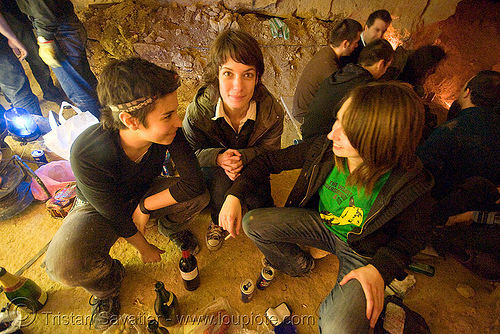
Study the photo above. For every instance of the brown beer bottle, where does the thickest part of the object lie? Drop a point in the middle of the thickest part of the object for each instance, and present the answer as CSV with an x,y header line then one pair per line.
x,y
166,306
22,291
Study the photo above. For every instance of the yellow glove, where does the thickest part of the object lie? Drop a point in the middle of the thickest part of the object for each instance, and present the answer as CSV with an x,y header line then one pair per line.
x,y
48,52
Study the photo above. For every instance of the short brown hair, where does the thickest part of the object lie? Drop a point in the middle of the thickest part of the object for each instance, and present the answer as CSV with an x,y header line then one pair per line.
x,y
485,89
384,123
123,81
375,51
347,29
238,45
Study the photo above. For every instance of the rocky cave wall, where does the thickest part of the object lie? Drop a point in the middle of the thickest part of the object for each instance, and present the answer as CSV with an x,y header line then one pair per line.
x,y
178,34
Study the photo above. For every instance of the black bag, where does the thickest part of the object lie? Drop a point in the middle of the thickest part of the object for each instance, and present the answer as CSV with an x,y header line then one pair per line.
x,y
397,318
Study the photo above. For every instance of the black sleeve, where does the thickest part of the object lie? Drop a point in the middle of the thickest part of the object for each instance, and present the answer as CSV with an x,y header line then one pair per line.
x,y
191,183
258,171
410,230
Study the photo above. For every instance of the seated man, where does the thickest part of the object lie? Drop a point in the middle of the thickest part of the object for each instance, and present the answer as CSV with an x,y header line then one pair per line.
x,y
469,144
472,218
343,39
377,24
117,166
373,62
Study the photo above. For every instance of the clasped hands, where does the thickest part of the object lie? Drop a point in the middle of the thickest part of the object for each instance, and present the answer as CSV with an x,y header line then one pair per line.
x,y
231,163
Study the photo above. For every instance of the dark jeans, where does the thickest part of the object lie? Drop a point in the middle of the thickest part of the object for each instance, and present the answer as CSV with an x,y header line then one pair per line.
x,y
476,194
277,233
74,74
13,81
218,183
78,254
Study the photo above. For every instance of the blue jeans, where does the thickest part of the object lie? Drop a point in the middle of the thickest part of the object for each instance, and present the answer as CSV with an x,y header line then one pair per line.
x,y
277,233
74,74
13,81
78,254
23,29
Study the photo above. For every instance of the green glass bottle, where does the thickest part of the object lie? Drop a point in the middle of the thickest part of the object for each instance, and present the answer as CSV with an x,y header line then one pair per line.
x,y
166,306
22,291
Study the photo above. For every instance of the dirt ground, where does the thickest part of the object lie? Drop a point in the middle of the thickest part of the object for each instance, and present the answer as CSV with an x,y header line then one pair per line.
x,y
179,37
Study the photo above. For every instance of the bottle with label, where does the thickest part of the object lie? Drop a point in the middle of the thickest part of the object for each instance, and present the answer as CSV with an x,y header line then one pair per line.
x,y
166,306
189,270
154,327
22,291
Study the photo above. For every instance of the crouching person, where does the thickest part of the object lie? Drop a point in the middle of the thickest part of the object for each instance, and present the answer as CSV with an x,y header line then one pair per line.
x,y
117,165
362,195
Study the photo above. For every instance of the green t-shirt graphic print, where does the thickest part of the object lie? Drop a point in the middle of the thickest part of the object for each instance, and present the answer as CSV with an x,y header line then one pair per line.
x,y
342,207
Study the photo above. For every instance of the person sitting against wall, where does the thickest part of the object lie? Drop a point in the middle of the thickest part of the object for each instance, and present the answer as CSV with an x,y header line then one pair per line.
x,y
232,119
469,144
362,194
344,38
117,166
374,60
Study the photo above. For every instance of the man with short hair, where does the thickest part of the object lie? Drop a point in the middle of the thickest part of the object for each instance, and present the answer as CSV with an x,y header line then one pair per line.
x,y
468,145
343,40
373,62
377,24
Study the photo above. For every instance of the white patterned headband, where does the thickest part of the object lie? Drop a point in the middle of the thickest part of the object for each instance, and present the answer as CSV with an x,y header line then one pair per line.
x,y
133,105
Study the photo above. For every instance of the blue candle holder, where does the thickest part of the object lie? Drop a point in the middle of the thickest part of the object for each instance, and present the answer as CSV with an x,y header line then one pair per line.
x,y
21,125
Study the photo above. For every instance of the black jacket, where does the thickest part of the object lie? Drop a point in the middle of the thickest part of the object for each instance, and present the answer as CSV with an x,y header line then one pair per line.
x,y
326,103
397,224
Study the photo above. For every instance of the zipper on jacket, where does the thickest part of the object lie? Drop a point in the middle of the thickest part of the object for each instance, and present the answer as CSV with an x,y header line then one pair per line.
x,y
309,184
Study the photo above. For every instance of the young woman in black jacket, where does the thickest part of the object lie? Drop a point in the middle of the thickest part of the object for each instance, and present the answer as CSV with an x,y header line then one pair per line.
x,y
362,194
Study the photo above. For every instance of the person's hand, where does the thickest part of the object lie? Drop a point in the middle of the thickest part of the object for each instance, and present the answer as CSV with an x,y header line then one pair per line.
x,y
140,220
151,254
463,219
232,176
48,53
230,161
230,215
373,287
18,48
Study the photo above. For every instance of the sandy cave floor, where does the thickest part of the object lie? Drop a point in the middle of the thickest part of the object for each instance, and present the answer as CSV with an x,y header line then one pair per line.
x,y
184,39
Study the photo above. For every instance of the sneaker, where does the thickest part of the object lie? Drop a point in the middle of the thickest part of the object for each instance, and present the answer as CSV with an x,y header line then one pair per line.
x,y
186,238
105,312
214,237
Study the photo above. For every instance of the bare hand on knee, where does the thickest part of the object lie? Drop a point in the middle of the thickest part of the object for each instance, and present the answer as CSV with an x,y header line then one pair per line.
x,y
373,287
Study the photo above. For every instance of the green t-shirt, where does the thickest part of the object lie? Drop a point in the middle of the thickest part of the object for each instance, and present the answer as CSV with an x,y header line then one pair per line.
x,y
343,207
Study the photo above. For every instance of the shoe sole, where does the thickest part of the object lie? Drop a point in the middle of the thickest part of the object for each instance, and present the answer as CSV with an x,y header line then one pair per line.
x,y
213,248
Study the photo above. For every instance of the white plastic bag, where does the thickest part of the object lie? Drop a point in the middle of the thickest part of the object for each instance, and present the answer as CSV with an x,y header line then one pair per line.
x,y
12,318
61,137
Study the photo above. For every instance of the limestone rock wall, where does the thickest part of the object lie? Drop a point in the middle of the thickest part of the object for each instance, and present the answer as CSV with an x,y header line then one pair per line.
x,y
408,15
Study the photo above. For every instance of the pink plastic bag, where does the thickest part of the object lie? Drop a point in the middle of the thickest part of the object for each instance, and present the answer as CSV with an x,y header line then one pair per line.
x,y
55,175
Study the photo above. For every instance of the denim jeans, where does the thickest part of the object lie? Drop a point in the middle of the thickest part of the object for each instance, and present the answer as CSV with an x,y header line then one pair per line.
x,y
277,232
218,183
24,32
74,74
78,254
13,81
